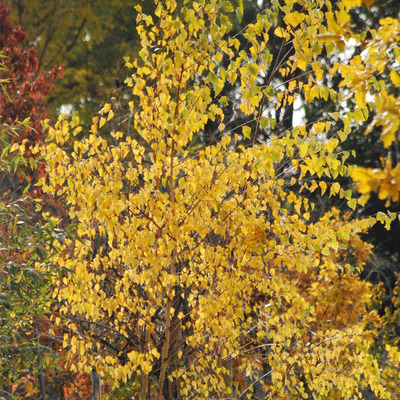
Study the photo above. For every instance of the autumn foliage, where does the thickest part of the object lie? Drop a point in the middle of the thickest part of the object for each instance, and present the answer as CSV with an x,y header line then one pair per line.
x,y
23,94
207,272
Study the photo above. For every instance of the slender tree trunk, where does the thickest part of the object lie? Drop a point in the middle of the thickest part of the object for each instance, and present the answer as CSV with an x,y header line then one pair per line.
x,y
166,349
41,380
95,385
175,347
144,389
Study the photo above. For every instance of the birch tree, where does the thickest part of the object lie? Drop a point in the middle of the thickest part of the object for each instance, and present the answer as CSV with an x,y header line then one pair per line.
x,y
201,272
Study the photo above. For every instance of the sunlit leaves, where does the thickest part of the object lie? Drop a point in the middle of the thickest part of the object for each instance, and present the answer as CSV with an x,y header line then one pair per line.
x,y
294,18
386,181
395,78
191,255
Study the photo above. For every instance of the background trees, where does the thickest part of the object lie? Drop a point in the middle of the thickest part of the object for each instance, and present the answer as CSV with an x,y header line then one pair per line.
x,y
22,97
89,38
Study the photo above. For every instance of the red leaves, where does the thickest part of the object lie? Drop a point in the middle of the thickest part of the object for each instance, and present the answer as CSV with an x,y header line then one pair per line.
x,y
23,95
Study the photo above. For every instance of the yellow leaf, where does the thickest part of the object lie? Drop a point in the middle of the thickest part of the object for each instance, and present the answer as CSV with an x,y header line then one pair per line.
x,y
107,108
384,219
335,188
14,147
77,130
319,74
352,3
332,144
303,148
395,78
246,130
334,115
368,179
102,122
323,187
294,18
280,32
252,69
319,127
301,63
359,97
352,203
325,251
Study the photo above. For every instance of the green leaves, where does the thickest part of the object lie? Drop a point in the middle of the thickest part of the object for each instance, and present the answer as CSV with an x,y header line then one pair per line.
x,y
27,276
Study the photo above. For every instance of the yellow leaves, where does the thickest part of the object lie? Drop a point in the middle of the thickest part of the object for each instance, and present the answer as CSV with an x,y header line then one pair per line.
x,y
246,130
367,178
62,117
387,116
351,3
390,186
334,69
325,251
218,57
386,182
294,18
301,62
319,72
14,147
234,42
107,108
102,122
389,29
323,185
311,92
282,33
252,69
334,189
303,149
149,20
385,219
331,145
352,203
77,130
217,224
395,78
319,127
360,97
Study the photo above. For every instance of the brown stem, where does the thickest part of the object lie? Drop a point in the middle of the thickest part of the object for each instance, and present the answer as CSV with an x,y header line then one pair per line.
x,y
167,335
174,256
145,379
